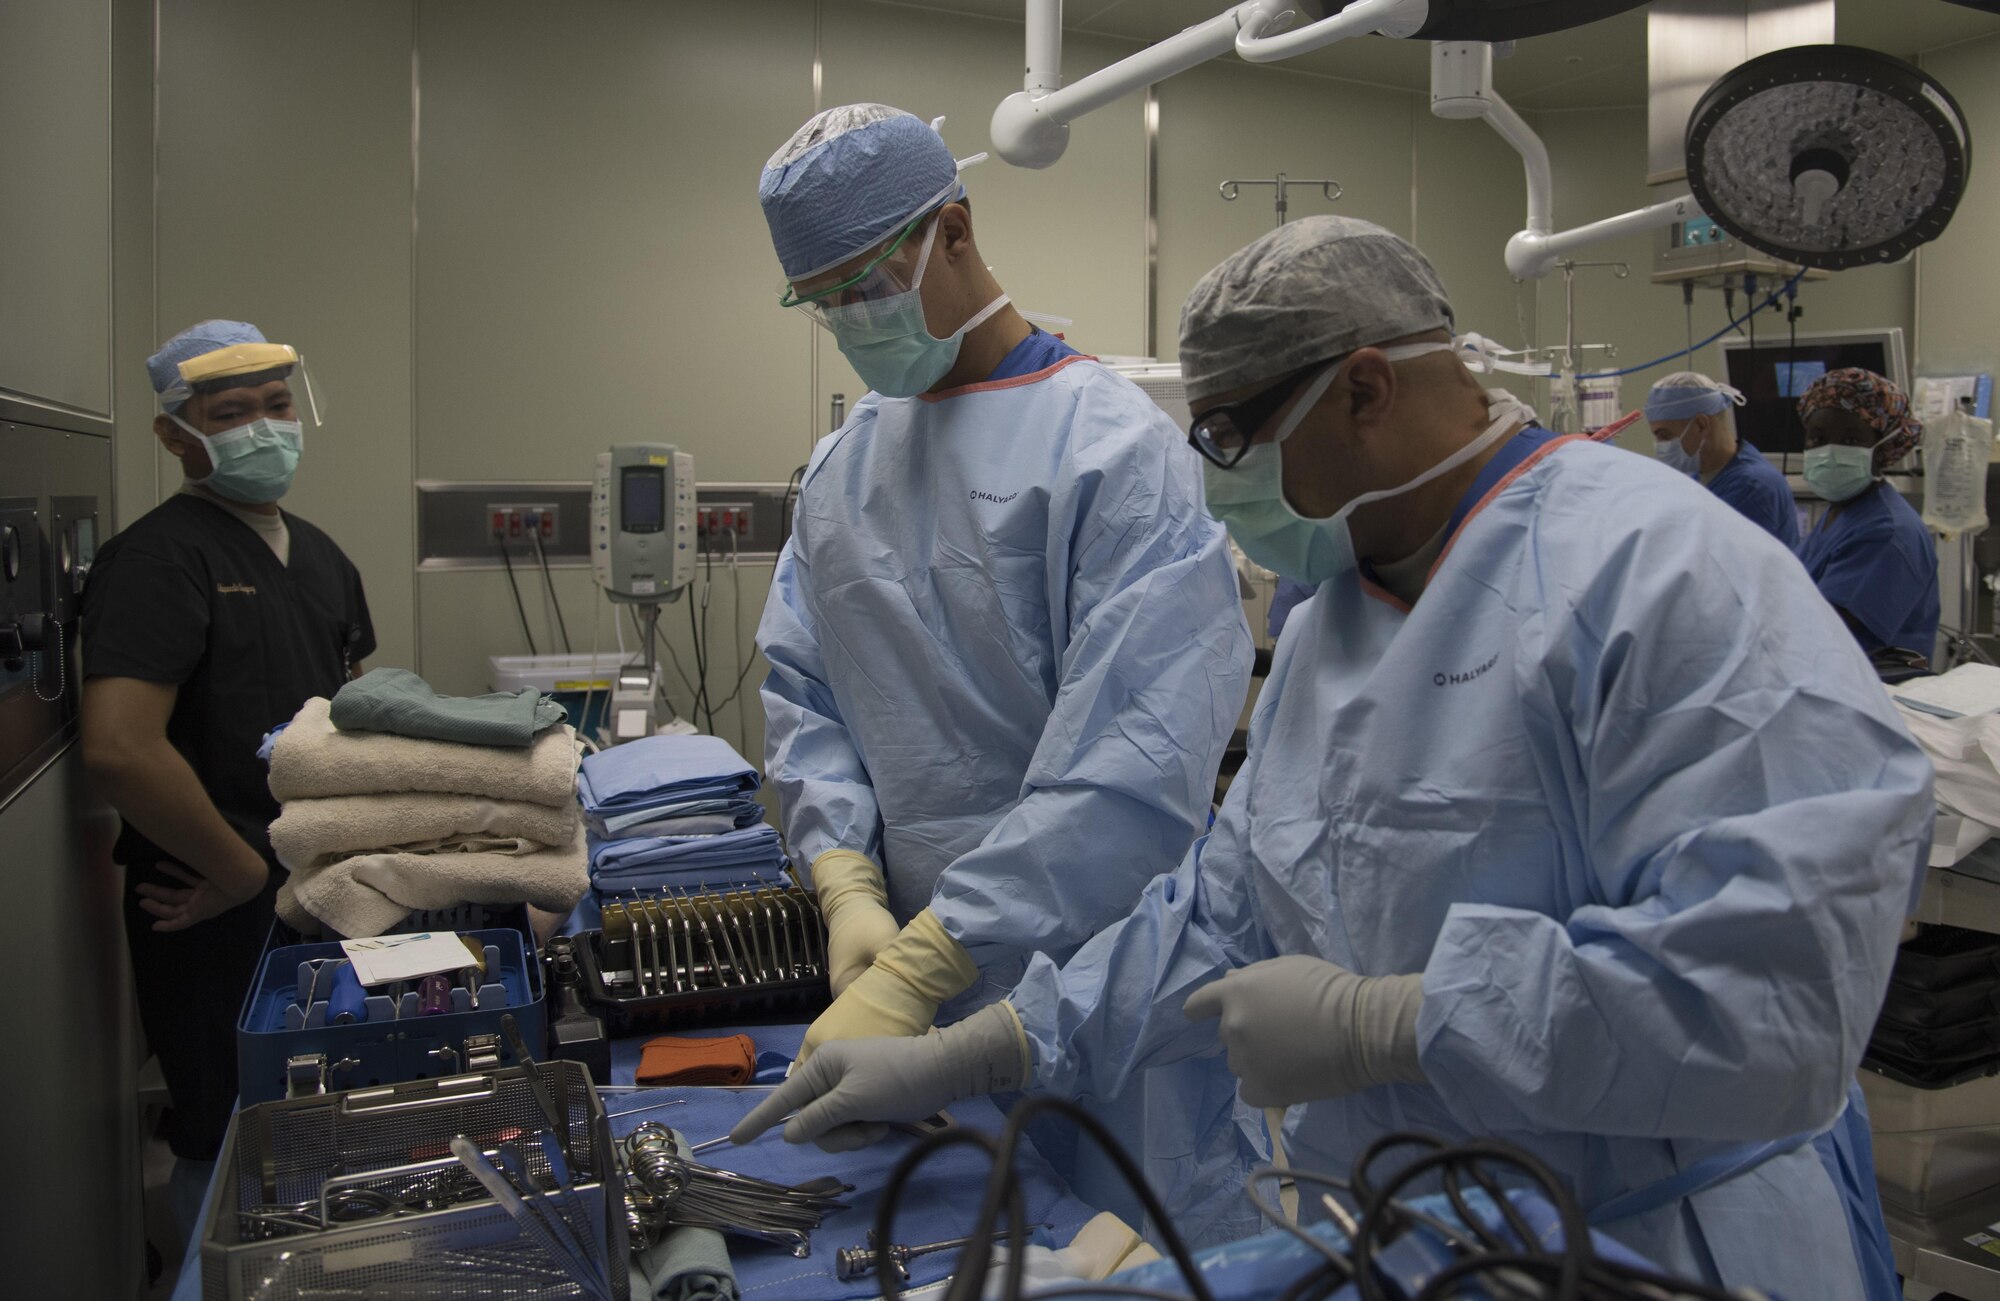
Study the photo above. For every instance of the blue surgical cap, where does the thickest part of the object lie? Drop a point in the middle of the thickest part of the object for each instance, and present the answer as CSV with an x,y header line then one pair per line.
x,y
847,180
1688,394
164,366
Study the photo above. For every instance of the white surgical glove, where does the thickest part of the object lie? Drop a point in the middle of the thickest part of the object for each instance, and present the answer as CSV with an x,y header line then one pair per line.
x,y
900,994
851,1088
1299,1029
854,899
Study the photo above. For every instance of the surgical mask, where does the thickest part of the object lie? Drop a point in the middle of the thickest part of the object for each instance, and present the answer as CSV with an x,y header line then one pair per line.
x,y
1249,498
888,342
252,463
1671,454
1839,473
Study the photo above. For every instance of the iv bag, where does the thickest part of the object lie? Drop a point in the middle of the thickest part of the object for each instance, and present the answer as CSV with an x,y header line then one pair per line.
x,y
1957,449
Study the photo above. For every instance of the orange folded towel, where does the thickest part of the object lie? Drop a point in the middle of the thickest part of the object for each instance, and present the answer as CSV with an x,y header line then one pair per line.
x,y
670,1059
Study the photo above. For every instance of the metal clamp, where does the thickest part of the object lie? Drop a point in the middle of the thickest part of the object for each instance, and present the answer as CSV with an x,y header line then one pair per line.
x,y
482,1052
306,1075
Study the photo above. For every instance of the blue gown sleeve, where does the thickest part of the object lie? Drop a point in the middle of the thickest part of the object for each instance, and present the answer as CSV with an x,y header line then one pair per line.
x,y
824,790
1748,818
1152,681
1114,1009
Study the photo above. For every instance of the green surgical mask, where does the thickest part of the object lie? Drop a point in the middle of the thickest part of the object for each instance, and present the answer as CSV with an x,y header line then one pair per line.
x,y
252,463
1249,497
1838,472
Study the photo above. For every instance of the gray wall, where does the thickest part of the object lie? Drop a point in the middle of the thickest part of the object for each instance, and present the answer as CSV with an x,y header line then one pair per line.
x,y
75,152
1958,277
55,227
510,233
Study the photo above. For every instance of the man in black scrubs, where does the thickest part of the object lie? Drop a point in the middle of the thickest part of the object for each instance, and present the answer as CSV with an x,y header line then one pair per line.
x,y
206,623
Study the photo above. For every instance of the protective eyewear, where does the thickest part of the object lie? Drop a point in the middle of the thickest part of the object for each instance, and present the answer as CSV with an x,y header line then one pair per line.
x,y
885,276
245,365
1223,433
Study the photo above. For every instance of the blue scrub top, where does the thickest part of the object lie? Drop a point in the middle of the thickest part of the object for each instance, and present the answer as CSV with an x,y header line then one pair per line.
x,y
1876,562
1039,351
1755,489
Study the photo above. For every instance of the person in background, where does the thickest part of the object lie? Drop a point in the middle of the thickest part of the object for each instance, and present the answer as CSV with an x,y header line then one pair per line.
x,y
1007,651
1694,431
1595,835
1871,555
207,622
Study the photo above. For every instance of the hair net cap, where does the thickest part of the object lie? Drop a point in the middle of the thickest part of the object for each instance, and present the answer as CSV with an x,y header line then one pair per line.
x,y
1310,290
164,366
847,180
1878,400
1687,394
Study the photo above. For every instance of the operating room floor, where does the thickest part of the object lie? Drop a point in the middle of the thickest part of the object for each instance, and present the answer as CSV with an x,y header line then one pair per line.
x,y
156,1163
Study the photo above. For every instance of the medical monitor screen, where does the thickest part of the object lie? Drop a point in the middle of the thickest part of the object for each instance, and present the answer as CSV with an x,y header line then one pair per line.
x,y
643,498
1773,379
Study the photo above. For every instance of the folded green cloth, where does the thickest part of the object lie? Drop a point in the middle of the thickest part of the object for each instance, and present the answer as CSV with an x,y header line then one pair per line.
x,y
399,702
688,1264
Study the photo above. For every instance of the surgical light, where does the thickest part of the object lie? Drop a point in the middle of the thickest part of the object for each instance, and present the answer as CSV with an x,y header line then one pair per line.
x,y
1829,156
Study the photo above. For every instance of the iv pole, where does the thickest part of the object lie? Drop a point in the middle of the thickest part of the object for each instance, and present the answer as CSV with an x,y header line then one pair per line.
x,y
1331,189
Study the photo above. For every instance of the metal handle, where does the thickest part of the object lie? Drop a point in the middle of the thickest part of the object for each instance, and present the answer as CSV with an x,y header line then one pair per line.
x,y
362,1101
334,1182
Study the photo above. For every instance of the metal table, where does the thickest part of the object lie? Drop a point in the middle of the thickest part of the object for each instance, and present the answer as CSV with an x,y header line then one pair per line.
x,y
1931,1253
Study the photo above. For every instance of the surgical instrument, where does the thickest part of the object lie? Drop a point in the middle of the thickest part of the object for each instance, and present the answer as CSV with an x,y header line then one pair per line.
x,y
584,1271
537,1086
852,1263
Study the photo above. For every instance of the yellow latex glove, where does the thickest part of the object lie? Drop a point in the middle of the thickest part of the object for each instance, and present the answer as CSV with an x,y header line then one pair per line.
x,y
900,994
854,899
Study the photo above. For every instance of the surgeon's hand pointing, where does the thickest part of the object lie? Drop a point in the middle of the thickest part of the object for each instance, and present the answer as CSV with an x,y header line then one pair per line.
x,y
850,1089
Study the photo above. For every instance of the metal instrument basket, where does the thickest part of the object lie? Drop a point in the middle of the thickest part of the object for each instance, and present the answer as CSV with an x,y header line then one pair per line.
x,y
734,957
394,1142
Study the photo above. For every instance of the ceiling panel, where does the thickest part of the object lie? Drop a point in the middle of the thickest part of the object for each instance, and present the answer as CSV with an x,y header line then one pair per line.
x,y
1601,64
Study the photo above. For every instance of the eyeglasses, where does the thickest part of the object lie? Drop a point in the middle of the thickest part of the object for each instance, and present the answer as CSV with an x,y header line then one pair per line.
x,y
1223,433
880,279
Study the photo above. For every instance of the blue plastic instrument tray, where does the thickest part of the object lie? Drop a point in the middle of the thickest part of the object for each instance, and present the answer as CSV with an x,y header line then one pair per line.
x,y
386,1048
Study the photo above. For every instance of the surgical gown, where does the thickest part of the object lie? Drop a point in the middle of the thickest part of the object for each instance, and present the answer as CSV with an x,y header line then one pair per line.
x,y
1007,652
1623,791
1876,561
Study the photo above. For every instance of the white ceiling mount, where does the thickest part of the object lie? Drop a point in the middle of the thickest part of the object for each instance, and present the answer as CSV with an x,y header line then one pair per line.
x,y
1031,126
1462,88
1397,18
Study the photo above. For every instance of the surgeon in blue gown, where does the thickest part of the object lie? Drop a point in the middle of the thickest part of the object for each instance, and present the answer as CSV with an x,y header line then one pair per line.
x,y
1871,556
1694,432
1591,832
1007,650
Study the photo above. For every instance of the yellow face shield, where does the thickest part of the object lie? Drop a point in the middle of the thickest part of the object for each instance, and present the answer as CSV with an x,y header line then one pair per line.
x,y
244,365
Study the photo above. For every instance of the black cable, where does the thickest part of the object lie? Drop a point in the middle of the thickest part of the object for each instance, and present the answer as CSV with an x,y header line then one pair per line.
x,y
1750,293
892,1193
1107,1289
707,590
1317,1284
700,705
550,583
519,608
793,487
659,640
1010,1139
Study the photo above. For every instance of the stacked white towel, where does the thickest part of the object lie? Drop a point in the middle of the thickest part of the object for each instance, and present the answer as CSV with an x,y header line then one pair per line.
x,y
375,825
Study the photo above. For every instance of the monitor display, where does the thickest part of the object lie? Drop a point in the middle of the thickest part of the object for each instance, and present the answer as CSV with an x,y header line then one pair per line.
x,y
1773,377
643,498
